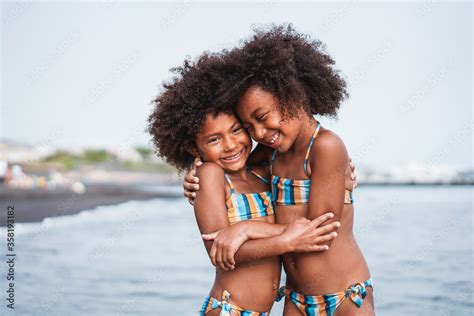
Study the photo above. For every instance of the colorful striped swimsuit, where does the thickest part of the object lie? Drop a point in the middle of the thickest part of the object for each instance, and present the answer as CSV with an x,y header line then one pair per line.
x,y
227,309
326,305
240,207
296,192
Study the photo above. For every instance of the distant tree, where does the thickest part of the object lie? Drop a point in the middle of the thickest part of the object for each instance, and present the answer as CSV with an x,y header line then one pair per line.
x,y
96,155
144,151
65,158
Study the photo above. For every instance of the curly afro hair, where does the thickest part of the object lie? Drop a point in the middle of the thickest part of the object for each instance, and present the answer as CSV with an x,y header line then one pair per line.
x,y
181,108
290,65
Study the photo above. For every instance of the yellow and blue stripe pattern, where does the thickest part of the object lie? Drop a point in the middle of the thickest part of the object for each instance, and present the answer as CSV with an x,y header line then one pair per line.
x,y
240,207
326,305
290,192
245,206
296,192
227,309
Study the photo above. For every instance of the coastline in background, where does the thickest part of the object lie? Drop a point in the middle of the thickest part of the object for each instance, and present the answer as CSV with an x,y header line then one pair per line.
x,y
43,181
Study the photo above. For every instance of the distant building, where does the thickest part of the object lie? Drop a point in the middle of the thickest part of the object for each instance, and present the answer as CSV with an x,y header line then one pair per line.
x,y
126,154
15,152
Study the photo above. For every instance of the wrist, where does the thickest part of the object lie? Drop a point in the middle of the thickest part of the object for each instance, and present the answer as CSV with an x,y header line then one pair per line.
x,y
243,230
285,244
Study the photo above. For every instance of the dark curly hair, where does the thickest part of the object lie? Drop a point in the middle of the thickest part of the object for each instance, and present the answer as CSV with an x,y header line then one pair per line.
x,y
181,107
290,65
278,59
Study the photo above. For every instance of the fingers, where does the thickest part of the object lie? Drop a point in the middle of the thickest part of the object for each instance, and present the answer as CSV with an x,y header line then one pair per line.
x,y
224,258
190,187
321,219
210,236
353,175
318,248
327,228
212,254
352,166
189,177
322,239
230,262
221,261
301,220
197,162
230,256
190,195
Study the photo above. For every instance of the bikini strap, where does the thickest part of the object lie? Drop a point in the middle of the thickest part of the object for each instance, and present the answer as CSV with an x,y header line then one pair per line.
x,y
259,176
232,190
305,166
272,160
274,154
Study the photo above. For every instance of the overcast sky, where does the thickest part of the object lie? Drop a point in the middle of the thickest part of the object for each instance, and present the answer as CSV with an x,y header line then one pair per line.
x,y
83,74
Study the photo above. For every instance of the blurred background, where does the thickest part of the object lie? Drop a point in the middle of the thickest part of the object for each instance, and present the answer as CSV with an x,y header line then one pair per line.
x,y
101,224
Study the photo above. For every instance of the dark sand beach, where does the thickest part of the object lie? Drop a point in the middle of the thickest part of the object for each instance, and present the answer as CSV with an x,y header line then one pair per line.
x,y
33,205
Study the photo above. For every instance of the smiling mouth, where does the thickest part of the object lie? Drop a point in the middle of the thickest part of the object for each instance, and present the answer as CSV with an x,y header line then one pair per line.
x,y
233,157
272,140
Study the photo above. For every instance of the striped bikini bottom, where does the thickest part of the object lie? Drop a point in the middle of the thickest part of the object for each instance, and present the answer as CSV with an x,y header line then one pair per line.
x,y
326,305
227,309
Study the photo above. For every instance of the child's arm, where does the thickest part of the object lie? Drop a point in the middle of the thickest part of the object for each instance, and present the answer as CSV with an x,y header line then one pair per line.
x,y
209,207
211,215
302,235
251,230
299,236
328,162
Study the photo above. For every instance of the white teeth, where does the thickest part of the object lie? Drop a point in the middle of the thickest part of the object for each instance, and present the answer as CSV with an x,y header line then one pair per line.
x,y
233,157
274,138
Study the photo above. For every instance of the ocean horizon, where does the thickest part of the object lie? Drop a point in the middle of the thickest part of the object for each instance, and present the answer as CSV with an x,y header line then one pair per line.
x,y
147,258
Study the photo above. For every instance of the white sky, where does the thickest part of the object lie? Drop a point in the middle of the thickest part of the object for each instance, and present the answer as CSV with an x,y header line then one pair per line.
x,y
83,74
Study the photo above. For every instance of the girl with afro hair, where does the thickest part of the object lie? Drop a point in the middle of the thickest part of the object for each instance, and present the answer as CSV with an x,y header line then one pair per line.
x,y
281,80
191,119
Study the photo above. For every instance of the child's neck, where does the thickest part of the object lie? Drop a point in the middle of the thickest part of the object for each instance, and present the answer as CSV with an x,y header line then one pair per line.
x,y
308,124
241,173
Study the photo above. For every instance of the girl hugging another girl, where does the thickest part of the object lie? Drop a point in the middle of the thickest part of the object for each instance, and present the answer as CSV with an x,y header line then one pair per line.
x,y
191,119
279,81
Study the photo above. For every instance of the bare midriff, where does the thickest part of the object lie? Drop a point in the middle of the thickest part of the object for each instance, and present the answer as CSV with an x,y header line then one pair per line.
x,y
329,271
252,286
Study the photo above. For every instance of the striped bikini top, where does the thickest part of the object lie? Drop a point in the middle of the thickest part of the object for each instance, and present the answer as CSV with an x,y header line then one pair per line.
x,y
244,206
296,192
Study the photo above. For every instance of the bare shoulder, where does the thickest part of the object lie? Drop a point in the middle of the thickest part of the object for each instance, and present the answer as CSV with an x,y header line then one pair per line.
x,y
329,144
211,175
209,169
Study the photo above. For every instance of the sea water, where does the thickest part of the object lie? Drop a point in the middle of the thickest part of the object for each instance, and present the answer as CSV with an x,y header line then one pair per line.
x,y
147,258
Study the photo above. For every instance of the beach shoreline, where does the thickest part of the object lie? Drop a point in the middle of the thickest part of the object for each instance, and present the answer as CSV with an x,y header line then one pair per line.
x,y
34,205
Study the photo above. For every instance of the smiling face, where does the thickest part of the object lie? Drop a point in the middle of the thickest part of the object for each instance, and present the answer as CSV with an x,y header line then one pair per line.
x,y
261,117
224,142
